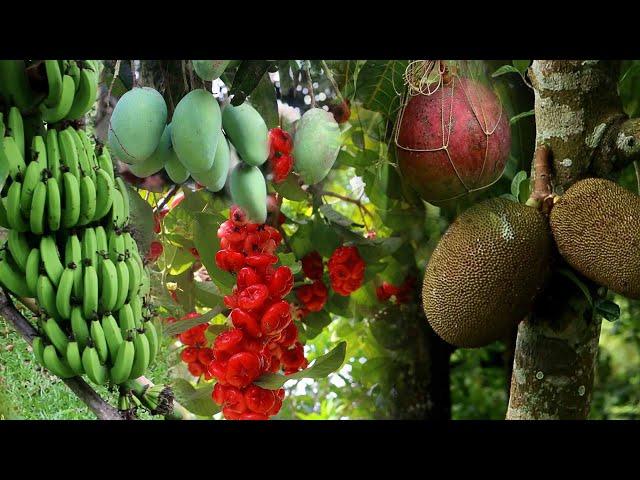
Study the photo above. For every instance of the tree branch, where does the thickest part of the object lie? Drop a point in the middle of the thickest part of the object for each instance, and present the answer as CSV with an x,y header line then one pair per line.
x,y
164,200
96,404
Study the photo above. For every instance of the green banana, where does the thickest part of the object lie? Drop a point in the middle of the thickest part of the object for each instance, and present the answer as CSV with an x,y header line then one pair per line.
x,y
112,335
60,110
109,293
83,159
90,246
11,155
90,292
151,333
126,321
55,334
4,221
136,309
69,152
87,200
56,365
73,260
39,151
116,217
123,364
145,285
51,259
15,128
12,208
32,271
74,71
46,295
11,277
85,94
124,191
89,148
32,175
142,356
19,248
102,243
54,204
104,194
130,244
99,340
116,245
37,215
37,345
14,82
74,359
134,278
79,327
53,156
71,211
123,284
95,370
63,294
104,161
54,80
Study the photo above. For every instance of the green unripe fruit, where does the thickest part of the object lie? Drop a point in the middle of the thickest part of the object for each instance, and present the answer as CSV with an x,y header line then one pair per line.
x,y
209,70
156,161
249,191
247,132
195,130
175,170
215,178
137,124
316,145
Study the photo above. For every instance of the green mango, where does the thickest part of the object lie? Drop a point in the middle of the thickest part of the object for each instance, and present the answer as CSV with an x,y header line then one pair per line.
x,y
137,125
248,132
156,161
316,145
195,130
215,178
209,70
175,170
249,191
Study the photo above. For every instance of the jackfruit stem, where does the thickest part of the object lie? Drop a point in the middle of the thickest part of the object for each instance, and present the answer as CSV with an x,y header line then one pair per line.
x,y
542,194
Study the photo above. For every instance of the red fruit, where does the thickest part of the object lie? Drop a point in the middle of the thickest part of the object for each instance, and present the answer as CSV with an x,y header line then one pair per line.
x,y
196,369
190,316
219,393
232,232
253,297
289,335
276,318
281,167
205,356
313,296
237,215
312,265
469,120
259,400
346,270
293,359
155,250
281,218
230,414
229,340
234,400
341,111
157,223
194,252
281,282
230,301
189,354
261,260
253,416
229,260
246,321
276,408
280,141
247,276
174,296
242,369
218,369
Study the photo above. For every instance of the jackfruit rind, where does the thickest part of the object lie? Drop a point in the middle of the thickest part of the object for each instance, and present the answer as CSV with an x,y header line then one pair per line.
x,y
485,272
248,132
596,226
214,179
316,145
137,124
249,191
195,129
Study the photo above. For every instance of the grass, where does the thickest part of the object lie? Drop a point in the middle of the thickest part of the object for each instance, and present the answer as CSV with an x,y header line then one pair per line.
x,y
28,391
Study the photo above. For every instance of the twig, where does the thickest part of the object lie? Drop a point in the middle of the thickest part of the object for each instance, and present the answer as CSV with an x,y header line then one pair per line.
x,y
329,74
310,82
96,404
357,202
134,79
542,192
164,200
116,72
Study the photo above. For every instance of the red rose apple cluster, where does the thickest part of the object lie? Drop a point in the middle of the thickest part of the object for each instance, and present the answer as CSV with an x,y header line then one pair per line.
x,y
346,270
264,337
312,297
280,158
402,293
196,354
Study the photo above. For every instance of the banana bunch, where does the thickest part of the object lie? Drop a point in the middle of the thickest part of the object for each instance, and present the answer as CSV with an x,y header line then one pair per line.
x,y
58,89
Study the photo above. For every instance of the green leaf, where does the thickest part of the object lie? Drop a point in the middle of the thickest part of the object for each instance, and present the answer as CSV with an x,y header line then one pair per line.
x,y
608,309
289,260
505,69
515,118
214,330
184,325
263,99
247,78
315,322
521,65
321,367
141,221
519,177
334,217
300,241
196,400
379,83
181,262
325,238
378,249
208,294
207,243
361,158
290,188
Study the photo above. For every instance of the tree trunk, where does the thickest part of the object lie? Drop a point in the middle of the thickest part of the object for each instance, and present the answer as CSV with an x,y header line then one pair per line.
x,y
579,117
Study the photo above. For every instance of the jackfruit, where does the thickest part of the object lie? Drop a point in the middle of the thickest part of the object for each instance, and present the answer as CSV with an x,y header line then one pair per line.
x,y
596,226
485,272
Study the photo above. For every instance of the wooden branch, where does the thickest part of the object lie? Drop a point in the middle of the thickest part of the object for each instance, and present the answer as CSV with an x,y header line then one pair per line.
x,y
164,200
620,146
542,191
96,404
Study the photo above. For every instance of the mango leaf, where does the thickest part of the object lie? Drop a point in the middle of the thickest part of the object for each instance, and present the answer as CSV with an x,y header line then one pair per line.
x,y
521,65
360,158
325,238
290,188
378,83
515,118
289,260
247,78
334,217
263,99
181,262
124,80
196,400
300,241
208,294
184,325
608,309
186,289
315,322
141,222
505,69
377,249
337,304
208,245
321,367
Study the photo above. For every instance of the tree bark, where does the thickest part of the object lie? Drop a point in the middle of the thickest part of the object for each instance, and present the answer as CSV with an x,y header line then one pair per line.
x,y
579,118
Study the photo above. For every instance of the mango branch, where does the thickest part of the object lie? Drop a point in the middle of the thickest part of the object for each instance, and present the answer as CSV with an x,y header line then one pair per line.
x,y
83,391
